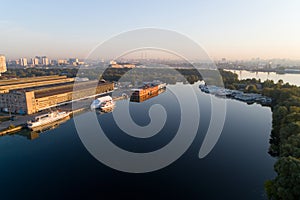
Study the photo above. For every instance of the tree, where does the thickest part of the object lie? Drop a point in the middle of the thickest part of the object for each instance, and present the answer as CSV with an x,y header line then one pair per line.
x,y
287,183
291,147
289,129
268,83
280,82
251,88
279,113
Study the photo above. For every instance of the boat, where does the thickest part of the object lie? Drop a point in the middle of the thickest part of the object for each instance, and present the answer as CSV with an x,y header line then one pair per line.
x,y
212,89
47,118
147,91
97,102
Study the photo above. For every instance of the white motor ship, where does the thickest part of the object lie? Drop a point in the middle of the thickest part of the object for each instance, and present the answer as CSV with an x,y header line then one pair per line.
x,y
102,103
47,118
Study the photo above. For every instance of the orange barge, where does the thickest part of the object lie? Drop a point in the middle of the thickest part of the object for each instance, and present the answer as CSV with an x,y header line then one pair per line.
x,y
145,92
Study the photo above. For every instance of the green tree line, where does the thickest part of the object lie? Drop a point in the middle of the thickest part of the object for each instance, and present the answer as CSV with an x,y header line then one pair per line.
x,y
285,134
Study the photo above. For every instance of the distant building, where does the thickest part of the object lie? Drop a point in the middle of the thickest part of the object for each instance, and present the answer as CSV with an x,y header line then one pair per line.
x,y
44,60
23,62
35,61
223,61
81,63
53,62
40,61
114,64
128,65
75,62
62,62
2,64
12,62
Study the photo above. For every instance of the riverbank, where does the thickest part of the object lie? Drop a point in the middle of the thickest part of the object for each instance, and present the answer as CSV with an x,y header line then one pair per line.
x,y
285,135
268,70
20,121
236,94
291,78
11,129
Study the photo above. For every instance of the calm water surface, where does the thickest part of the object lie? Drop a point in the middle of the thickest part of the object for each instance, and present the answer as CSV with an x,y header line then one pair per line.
x,y
293,79
56,165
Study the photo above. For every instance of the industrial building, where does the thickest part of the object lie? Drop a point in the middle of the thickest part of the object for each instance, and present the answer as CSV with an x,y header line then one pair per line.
x,y
114,64
30,95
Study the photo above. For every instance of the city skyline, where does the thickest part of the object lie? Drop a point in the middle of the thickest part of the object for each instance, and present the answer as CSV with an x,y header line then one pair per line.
x,y
229,29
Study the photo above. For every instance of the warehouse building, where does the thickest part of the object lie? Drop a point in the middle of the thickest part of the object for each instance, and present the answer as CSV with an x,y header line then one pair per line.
x,y
30,95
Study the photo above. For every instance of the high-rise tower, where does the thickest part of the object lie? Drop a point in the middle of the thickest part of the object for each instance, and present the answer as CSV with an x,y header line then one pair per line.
x,y
2,64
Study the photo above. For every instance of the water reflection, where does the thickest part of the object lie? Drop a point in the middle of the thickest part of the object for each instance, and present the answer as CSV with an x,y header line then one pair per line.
x,y
293,79
142,98
35,132
58,165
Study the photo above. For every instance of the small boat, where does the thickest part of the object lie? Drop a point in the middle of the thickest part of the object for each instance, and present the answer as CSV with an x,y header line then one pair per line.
x,y
102,103
47,118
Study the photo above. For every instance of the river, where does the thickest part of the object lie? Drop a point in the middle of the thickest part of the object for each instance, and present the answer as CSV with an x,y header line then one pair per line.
x,y
56,165
293,79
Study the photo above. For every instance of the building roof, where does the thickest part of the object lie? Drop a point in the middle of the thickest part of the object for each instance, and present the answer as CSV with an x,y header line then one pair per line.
x,y
65,88
22,83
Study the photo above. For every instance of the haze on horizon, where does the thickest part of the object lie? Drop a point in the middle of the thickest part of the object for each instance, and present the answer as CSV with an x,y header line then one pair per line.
x,y
231,29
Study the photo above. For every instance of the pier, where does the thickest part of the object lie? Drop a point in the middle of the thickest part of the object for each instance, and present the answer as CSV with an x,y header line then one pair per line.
x,y
236,94
19,122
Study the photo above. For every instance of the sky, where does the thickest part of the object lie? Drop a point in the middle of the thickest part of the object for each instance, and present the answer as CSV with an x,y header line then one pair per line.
x,y
233,29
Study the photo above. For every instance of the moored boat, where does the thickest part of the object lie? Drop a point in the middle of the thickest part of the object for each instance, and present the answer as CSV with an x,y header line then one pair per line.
x,y
47,118
97,103
148,90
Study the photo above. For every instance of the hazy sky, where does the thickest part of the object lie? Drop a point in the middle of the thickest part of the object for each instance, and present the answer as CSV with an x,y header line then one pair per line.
x,y
232,29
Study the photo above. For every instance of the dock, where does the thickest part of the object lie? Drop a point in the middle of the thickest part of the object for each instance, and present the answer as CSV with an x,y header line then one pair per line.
x,y
236,94
8,127
11,130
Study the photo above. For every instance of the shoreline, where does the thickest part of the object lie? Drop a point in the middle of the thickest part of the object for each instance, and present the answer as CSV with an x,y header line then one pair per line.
x,y
19,124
